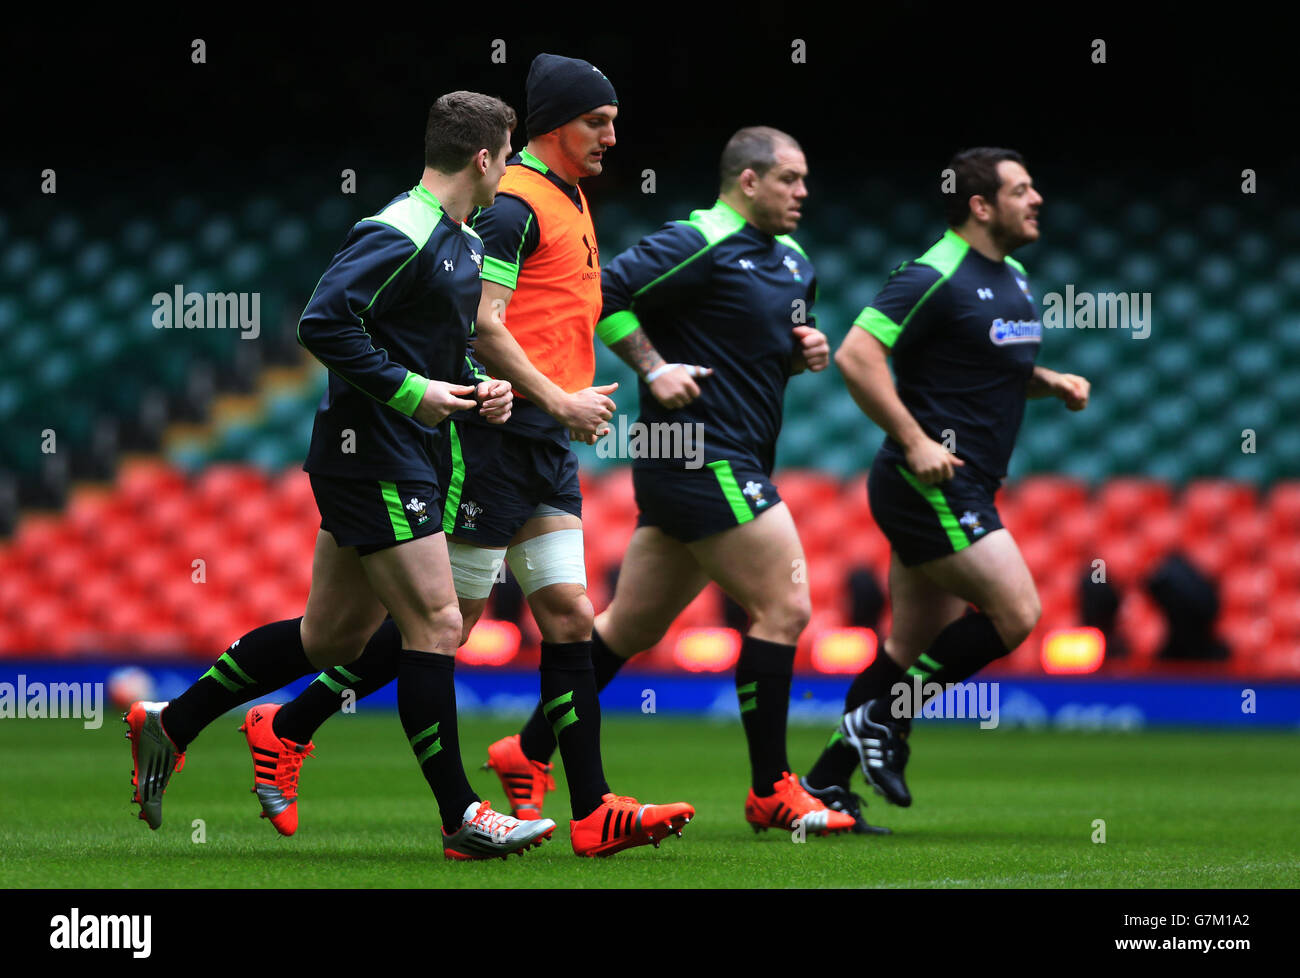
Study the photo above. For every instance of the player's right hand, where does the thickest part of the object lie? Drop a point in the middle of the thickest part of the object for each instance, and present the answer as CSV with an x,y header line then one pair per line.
x,y
441,400
931,462
677,388
585,412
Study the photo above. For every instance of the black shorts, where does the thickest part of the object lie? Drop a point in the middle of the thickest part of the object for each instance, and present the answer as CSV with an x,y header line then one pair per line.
x,y
371,515
923,523
497,480
691,504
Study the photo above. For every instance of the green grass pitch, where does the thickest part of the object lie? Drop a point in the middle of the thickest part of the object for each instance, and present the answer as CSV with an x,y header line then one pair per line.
x,y
994,808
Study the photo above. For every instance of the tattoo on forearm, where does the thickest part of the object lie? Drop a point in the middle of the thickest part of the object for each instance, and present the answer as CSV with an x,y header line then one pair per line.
x,y
637,352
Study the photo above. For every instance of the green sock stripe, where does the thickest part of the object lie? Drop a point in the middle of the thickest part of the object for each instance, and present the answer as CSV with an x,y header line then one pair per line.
x,y
934,496
234,667
215,673
930,665
731,490
564,721
747,688
452,504
747,705
426,732
836,737
917,671
558,701
429,751
326,681
350,677
396,514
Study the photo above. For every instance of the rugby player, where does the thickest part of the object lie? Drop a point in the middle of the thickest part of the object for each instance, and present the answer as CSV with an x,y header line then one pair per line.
x,y
964,332
392,314
723,298
513,489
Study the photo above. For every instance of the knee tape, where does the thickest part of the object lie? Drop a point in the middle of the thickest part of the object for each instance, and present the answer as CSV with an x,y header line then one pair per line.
x,y
474,569
552,558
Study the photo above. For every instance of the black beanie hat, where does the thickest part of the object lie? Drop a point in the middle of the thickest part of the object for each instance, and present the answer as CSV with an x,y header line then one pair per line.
x,y
561,89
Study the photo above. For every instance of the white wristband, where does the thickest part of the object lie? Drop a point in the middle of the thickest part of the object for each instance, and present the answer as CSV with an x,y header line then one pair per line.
x,y
659,371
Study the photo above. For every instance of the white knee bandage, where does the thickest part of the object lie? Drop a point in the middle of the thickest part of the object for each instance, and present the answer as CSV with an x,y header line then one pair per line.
x,y
552,558
474,569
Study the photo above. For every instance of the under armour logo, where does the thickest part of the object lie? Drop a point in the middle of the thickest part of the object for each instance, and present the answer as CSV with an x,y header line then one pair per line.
x,y
746,264
984,293
448,264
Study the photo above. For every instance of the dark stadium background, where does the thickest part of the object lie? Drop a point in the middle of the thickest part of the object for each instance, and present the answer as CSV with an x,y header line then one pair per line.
x,y
171,172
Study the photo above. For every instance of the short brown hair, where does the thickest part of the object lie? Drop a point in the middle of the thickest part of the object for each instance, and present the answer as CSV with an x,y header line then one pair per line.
x,y
462,123
976,172
752,148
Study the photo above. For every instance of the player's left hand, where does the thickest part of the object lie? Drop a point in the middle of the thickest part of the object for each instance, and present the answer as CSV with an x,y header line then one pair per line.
x,y
495,400
1073,390
589,438
814,346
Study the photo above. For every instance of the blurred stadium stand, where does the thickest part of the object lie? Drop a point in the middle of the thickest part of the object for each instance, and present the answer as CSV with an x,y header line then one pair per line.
x,y
176,445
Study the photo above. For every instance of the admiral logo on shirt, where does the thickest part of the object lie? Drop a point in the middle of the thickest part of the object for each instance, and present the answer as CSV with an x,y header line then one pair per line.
x,y
1004,331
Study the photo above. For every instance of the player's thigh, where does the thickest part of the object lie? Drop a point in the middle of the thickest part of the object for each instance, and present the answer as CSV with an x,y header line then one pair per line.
x,y
475,569
758,563
342,610
658,578
413,581
548,560
992,575
920,609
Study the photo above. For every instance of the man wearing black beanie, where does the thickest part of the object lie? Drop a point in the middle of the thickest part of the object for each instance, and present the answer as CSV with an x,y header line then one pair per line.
x,y
512,490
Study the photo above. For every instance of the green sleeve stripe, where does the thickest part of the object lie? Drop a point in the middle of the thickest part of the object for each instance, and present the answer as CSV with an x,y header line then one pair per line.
x,y
410,394
396,515
934,496
500,272
451,505
676,268
879,325
617,326
519,254
731,491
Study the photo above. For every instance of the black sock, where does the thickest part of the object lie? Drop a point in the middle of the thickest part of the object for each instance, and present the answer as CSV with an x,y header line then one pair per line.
x,y
426,703
300,718
961,650
763,687
570,704
837,761
258,663
537,740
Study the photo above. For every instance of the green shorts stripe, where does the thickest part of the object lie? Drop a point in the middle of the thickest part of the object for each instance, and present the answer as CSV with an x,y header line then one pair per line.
x,y
396,515
934,496
452,504
731,490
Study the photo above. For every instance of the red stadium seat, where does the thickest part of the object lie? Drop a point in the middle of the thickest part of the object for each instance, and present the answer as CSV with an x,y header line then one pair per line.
x,y
1284,509
1041,501
1126,503
1212,505
1247,590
